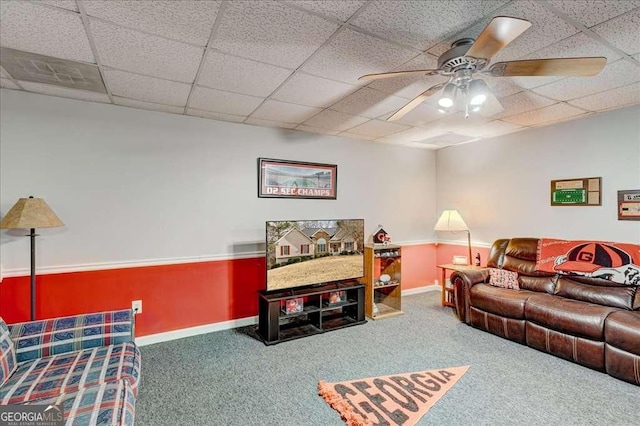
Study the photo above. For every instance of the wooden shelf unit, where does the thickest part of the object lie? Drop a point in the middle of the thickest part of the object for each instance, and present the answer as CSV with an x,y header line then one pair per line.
x,y
382,300
317,316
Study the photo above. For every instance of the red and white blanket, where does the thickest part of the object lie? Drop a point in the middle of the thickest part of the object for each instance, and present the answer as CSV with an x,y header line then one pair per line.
x,y
617,262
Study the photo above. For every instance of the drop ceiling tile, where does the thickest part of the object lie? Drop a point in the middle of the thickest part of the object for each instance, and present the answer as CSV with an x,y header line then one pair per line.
x,y
521,102
269,123
233,74
64,92
546,28
216,115
149,89
421,24
369,103
616,98
351,54
189,21
620,73
531,82
447,139
592,12
546,115
37,29
410,86
377,128
5,83
578,45
147,105
271,32
325,92
338,9
334,120
475,126
416,134
623,31
223,102
3,73
422,115
422,146
501,86
356,136
311,129
284,112
63,4
145,54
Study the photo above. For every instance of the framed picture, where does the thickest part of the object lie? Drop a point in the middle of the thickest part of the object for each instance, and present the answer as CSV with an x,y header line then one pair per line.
x,y
629,205
295,179
576,192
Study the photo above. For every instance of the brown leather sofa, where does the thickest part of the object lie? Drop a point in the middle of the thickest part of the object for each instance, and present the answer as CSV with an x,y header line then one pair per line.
x,y
590,321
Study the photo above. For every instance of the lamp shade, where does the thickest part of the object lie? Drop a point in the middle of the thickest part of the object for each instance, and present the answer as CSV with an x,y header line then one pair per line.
x,y
30,213
450,220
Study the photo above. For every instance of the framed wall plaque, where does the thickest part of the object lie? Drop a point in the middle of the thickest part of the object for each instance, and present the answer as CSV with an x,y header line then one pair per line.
x,y
296,179
629,205
576,192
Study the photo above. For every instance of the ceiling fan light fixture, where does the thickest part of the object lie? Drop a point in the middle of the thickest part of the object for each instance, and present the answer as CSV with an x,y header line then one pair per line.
x,y
477,92
448,96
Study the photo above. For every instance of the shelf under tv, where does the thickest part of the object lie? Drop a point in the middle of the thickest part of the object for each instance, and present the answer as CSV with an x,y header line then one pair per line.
x,y
317,316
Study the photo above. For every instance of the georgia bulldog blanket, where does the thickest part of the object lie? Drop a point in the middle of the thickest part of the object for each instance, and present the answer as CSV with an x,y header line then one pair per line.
x,y
617,262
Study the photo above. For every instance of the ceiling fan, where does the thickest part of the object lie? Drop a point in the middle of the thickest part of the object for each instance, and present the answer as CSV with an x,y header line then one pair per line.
x,y
468,56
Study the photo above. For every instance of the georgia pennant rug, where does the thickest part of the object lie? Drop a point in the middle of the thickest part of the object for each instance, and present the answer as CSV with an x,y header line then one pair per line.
x,y
397,399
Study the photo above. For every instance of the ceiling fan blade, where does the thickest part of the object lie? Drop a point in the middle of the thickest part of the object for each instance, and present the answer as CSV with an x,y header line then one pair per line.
x,y
575,67
415,102
369,77
501,31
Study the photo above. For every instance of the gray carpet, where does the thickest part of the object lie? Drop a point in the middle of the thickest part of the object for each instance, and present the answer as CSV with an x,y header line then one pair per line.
x,y
230,378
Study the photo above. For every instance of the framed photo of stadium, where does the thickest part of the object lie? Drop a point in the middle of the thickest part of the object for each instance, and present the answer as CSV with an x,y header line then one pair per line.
x,y
296,179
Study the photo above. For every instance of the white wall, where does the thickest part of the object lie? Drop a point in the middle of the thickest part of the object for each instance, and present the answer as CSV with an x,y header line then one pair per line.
x,y
133,185
501,187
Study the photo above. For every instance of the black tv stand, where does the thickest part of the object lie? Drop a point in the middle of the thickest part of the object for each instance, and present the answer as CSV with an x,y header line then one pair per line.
x,y
317,313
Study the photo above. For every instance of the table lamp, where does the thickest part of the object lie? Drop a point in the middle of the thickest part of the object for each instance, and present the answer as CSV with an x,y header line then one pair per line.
x,y
31,213
451,221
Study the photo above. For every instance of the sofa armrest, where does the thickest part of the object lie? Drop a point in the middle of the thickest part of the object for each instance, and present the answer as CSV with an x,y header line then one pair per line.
x,y
462,282
37,339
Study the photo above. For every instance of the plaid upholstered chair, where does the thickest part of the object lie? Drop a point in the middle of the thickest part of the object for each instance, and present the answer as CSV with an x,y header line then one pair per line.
x,y
87,363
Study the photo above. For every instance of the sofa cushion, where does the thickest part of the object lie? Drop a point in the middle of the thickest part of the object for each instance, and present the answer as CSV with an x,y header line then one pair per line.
x,y
65,373
8,362
499,301
622,330
618,297
503,278
538,284
568,316
111,404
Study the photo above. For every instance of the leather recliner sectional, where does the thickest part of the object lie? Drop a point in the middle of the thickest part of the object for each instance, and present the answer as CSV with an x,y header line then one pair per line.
x,y
591,321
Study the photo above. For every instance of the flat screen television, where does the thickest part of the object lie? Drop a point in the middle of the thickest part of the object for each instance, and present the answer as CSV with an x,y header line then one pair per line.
x,y
308,252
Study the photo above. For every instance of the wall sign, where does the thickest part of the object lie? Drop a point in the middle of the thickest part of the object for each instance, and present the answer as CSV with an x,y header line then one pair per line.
x,y
629,205
576,192
296,179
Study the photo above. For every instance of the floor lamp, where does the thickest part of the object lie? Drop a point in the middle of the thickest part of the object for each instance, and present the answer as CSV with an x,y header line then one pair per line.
x,y
31,213
451,221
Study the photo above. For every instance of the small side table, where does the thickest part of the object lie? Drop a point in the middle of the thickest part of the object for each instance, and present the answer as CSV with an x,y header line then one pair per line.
x,y
448,295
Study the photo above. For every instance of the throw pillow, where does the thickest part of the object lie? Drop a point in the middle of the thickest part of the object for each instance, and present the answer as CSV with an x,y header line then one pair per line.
x,y
8,362
503,278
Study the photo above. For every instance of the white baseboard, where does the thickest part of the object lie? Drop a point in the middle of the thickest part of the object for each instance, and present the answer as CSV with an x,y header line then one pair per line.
x,y
228,325
195,331
418,290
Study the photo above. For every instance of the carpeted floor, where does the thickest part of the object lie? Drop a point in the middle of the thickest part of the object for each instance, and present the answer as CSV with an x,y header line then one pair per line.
x,y
230,378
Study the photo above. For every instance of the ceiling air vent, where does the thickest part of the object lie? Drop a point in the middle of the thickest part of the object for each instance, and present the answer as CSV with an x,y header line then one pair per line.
x,y
46,69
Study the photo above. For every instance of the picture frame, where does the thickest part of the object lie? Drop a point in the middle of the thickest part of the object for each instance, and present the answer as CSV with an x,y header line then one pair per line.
x,y
576,192
296,179
629,205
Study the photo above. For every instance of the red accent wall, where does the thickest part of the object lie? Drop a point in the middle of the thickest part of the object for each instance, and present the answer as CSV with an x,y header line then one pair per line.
x,y
182,295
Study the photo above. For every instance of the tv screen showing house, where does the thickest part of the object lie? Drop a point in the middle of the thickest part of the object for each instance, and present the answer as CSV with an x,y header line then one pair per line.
x,y
307,252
